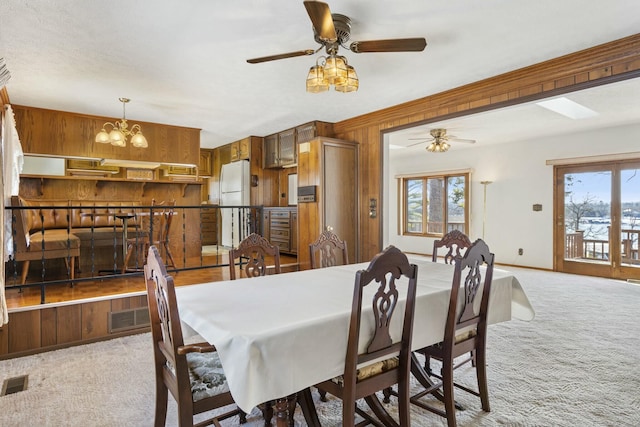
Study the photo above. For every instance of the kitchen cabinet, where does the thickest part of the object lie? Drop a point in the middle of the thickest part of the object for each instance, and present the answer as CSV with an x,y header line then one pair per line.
x,y
280,149
293,227
206,161
241,150
328,172
209,225
281,228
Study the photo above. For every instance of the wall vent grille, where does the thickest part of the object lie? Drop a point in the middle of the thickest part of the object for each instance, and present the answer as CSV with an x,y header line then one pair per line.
x,y
128,319
14,385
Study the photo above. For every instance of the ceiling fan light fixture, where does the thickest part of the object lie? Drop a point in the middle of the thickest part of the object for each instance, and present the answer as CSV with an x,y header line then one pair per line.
x,y
335,70
316,81
351,83
332,31
438,146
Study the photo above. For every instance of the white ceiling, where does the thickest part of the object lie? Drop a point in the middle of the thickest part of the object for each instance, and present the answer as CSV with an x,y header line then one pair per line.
x,y
615,104
184,63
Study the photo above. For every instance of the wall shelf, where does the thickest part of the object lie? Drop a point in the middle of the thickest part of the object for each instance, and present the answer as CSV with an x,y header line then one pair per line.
x,y
100,178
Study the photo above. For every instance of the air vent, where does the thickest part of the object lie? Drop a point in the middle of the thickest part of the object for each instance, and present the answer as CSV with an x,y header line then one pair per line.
x,y
14,385
128,319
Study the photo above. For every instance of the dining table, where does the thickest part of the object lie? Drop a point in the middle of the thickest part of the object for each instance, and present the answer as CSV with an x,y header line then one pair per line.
x,y
279,334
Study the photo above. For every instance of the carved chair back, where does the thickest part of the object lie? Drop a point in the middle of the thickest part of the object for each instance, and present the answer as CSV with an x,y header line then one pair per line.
x,y
455,241
385,360
252,253
328,250
474,282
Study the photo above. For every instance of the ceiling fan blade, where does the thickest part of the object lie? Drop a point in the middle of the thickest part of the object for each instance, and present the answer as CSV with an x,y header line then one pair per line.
x,y
469,141
417,143
281,56
392,45
321,19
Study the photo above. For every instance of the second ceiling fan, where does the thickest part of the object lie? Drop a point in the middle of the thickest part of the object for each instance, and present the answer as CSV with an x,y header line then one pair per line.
x,y
332,31
439,141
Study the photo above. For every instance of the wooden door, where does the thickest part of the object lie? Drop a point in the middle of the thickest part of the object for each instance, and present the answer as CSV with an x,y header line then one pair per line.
x,y
331,167
597,219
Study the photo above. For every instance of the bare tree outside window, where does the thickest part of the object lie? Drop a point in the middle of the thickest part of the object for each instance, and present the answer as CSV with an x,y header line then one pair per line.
x,y
435,205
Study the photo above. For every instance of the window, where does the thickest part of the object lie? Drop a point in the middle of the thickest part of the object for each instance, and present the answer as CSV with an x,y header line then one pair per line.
x,y
435,205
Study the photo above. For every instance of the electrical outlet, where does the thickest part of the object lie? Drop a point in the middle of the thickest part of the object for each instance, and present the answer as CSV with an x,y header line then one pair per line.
x,y
520,251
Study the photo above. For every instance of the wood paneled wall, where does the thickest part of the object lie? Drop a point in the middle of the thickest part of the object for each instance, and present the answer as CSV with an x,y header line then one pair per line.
x,y
61,133
610,62
49,328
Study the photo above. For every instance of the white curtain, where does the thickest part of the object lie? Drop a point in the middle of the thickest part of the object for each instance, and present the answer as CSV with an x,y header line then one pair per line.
x,y
12,161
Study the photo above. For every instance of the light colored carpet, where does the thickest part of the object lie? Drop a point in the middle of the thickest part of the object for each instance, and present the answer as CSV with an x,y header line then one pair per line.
x,y
576,364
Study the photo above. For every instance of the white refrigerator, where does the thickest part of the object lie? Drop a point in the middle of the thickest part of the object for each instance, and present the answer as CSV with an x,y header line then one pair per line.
x,y
234,191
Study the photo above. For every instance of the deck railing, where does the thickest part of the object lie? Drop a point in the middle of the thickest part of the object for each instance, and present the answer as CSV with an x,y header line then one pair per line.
x,y
577,247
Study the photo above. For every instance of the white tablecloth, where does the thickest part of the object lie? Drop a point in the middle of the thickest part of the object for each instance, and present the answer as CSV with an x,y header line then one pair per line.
x,y
278,334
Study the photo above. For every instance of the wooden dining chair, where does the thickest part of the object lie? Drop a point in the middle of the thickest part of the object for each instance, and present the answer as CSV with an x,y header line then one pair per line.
x,y
328,250
166,219
455,241
192,373
465,332
385,361
155,226
252,253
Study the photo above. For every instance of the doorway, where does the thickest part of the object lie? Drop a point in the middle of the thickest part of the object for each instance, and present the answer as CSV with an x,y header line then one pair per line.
x,y
597,212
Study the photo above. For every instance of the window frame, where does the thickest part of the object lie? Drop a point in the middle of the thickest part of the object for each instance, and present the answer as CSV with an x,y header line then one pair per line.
x,y
403,199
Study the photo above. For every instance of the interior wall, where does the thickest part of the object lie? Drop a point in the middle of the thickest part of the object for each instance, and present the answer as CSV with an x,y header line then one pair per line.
x,y
520,178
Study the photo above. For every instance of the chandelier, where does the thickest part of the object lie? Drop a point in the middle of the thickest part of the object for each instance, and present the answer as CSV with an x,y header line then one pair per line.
x,y
332,70
120,132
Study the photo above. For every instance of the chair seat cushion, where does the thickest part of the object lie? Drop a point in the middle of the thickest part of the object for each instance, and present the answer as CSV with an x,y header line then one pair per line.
x,y
206,375
371,370
56,239
103,236
462,336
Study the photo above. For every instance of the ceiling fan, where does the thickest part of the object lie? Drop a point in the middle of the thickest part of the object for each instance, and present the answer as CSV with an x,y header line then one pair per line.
x,y
439,142
332,31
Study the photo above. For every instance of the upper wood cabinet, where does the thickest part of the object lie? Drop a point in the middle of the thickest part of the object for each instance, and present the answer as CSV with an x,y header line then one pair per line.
x,y
241,150
206,162
287,153
271,151
280,149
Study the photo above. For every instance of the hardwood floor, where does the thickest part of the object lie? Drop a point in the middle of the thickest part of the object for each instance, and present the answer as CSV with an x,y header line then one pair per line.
x,y
123,284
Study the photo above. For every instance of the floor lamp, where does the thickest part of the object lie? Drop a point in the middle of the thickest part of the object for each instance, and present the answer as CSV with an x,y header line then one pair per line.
x,y
484,205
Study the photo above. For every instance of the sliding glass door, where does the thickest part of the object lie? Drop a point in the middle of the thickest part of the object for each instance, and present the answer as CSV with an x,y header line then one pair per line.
x,y
597,211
